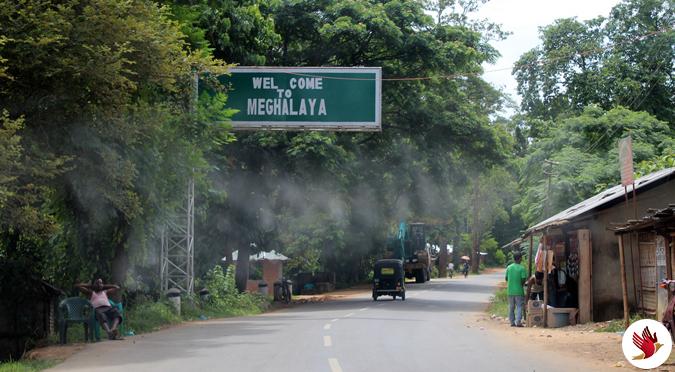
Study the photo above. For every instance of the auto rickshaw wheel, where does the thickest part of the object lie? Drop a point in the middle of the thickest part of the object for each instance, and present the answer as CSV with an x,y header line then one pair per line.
x,y
403,296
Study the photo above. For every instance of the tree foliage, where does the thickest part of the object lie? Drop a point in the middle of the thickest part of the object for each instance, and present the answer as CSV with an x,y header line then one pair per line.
x,y
585,152
624,60
100,89
333,198
587,85
100,130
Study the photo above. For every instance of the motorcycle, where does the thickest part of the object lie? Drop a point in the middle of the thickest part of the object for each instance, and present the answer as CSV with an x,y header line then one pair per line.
x,y
282,290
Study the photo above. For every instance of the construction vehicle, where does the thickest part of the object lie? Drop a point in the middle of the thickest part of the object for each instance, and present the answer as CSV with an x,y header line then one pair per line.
x,y
410,246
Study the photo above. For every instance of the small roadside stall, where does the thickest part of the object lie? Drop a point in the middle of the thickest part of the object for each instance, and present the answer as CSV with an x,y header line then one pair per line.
x,y
562,264
646,254
578,257
272,270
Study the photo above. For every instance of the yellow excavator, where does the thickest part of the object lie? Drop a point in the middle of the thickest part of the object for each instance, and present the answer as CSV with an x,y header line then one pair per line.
x,y
410,246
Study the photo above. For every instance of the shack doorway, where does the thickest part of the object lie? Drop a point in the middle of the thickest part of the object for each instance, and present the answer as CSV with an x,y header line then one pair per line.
x,y
647,255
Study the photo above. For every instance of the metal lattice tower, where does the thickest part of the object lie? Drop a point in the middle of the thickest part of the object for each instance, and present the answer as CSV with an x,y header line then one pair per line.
x,y
177,241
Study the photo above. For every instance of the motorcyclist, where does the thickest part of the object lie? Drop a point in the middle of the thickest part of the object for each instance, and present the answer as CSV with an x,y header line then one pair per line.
x,y
465,269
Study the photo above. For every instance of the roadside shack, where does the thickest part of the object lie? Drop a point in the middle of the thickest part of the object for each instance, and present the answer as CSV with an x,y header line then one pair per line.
x,y
578,254
272,270
27,317
560,260
646,258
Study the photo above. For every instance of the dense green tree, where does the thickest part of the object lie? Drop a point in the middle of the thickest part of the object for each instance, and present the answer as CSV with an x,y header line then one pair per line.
x,y
104,85
360,185
584,149
489,194
625,59
563,74
587,85
241,31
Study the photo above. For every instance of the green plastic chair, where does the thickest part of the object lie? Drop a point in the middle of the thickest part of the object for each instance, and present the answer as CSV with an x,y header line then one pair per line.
x,y
74,310
97,327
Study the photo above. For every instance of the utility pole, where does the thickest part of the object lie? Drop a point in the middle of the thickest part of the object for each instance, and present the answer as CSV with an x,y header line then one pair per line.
x,y
475,230
177,266
548,171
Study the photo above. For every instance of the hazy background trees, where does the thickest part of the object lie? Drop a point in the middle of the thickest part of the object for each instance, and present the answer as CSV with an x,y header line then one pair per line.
x,y
100,130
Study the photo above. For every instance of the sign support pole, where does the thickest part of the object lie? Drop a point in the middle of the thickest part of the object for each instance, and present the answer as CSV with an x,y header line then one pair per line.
x,y
624,288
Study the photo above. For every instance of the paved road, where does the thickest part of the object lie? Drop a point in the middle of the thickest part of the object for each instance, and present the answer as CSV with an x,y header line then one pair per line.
x,y
427,332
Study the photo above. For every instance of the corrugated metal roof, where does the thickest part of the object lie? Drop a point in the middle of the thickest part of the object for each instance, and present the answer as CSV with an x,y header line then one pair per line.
x,y
514,242
272,255
599,200
653,218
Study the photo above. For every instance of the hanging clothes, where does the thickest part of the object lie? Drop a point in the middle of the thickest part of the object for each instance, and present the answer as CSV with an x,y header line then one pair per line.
x,y
549,260
539,259
573,265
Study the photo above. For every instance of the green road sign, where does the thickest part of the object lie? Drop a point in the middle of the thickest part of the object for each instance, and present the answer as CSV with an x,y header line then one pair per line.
x,y
305,98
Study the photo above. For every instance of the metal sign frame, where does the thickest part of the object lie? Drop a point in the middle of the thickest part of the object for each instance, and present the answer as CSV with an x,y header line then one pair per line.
x,y
356,126
177,247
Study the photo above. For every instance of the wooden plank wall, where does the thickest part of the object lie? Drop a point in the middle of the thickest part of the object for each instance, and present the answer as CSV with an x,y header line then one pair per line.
x,y
585,276
648,277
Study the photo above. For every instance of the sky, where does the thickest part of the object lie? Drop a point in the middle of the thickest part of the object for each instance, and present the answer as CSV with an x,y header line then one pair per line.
x,y
523,18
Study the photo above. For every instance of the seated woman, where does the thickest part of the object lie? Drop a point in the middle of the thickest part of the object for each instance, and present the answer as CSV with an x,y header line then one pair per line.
x,y
108,316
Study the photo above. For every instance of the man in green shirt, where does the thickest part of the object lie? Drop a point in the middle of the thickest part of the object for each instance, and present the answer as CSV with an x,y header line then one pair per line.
x,y
515,278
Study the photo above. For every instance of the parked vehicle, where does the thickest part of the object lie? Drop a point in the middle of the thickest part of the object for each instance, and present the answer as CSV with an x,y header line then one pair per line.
x,y
410,245
282,291
388,279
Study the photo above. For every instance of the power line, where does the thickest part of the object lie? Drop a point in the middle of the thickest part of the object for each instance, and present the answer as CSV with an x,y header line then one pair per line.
x,y
472,74
635,98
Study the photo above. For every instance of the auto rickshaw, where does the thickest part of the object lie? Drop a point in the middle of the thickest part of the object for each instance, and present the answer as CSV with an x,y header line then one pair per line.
x,y
388,279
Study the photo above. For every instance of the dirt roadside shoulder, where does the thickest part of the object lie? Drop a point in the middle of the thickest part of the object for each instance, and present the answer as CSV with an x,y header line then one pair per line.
x,y
602,350
333,295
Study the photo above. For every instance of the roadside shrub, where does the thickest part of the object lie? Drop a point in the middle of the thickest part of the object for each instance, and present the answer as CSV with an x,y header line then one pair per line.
x,y
220,283
617,325
500,258
150,316
499,304
26,365
225,299
434,272
75,335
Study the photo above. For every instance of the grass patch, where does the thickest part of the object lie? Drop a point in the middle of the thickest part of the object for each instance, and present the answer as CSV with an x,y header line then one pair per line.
x,y
499,303
235,305
75,335
617,325
27,365
149,316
